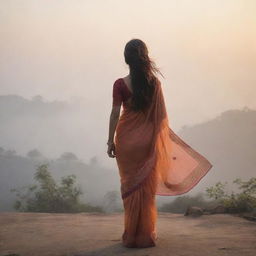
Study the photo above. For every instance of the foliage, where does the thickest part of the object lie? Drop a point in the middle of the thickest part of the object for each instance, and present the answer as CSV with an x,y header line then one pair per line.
x,y
48,196
242,201
34,153
181,203
217,191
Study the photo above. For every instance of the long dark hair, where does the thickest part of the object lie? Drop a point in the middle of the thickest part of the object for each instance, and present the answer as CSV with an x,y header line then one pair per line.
x,y
143,73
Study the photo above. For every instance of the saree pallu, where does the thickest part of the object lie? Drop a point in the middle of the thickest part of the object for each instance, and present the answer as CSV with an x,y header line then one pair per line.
x,y
152,160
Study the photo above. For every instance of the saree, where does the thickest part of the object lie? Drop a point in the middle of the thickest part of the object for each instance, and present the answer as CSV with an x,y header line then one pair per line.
x,y
152,160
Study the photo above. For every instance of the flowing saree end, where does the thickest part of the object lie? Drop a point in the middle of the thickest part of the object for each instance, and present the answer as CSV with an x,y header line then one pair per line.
x,y
179,189
185,168
178,172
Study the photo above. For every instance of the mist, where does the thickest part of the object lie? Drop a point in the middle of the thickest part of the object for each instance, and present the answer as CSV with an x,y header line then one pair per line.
x,y
59,60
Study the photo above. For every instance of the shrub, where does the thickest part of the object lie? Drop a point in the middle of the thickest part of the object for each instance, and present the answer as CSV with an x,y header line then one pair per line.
x,y
48,196
243,201
181,203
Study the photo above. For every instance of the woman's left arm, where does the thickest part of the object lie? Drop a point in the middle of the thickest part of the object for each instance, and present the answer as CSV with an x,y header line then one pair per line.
x,y
113,120
114,117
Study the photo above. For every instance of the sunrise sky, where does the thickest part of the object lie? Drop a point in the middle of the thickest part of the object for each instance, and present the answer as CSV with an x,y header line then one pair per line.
x,y
73,50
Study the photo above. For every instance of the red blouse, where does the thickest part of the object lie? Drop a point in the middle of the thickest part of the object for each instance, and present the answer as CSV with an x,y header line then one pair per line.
x,y
121,93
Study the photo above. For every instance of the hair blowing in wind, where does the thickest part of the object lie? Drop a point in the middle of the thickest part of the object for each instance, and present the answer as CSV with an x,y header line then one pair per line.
x,y
143,73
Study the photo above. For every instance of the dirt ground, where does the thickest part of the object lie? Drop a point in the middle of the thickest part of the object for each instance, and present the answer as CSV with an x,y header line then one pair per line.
x,y
41,234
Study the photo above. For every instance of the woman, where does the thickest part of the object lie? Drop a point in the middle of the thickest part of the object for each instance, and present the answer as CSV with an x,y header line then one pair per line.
x,y
151,158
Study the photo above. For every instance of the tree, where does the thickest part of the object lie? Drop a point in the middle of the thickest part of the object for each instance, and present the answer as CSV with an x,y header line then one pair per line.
x,y
218,191
34,153
68,156
37,98
48,196
244,201
10,153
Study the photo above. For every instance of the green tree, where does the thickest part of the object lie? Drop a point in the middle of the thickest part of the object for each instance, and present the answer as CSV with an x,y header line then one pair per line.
x,y
242,201
48,196
217,191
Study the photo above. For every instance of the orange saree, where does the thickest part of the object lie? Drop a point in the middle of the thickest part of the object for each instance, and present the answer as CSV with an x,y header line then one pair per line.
x,y
152,160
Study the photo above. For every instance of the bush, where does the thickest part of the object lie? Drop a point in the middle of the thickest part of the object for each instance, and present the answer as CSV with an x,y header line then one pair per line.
x,y
244,201
48,196
181,203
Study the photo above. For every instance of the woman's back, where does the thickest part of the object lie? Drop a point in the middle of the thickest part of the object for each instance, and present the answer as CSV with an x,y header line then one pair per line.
x,y
122,92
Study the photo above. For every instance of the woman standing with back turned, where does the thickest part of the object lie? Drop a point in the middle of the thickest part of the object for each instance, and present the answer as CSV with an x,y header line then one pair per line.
x,y
151,158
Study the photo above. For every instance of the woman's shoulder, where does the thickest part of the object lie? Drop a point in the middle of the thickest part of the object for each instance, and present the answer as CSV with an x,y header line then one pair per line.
x,y
117,85
118,82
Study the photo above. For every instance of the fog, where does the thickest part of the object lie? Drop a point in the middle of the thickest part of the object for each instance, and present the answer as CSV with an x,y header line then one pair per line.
x,y
59,60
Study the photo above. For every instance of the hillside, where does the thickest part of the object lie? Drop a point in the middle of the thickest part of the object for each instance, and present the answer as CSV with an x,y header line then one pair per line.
x,y
229,142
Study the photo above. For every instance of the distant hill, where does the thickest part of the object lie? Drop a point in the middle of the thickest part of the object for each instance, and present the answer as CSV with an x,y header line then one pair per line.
x,y
229,142
14,106
38,123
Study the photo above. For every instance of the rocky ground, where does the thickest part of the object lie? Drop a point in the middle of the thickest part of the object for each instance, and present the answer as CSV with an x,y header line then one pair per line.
x,y
41,234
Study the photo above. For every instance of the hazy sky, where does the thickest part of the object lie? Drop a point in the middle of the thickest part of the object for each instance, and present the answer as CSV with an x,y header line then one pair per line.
x,y
71,50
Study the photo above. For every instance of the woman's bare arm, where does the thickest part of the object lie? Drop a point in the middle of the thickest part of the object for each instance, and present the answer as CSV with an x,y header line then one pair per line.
x,y
114,117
